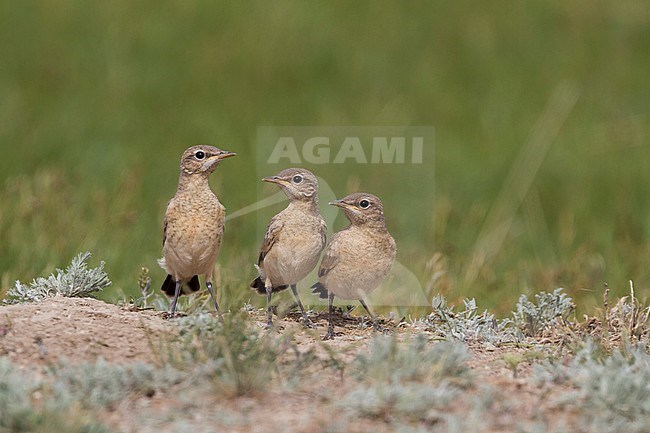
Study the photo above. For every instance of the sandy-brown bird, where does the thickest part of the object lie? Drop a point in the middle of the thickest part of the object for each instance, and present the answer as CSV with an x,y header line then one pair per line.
x,y
294,238
359,257
193,226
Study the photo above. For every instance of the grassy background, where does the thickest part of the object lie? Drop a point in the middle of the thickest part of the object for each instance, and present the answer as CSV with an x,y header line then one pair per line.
x,y
98,100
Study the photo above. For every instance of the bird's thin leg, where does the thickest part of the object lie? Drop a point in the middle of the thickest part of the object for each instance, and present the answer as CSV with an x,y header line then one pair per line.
x,y
375,323
330,325
348,310
177,292
269,312
305,319
214,298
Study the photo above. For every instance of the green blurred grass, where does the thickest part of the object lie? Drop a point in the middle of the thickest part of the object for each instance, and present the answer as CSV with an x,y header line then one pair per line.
x,y
99,100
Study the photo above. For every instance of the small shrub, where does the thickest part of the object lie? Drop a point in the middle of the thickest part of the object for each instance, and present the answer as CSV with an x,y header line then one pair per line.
x,y
19,414
408,380
612,391
76,281
534,317
468,324
392,361
144,284
410,400
238,359
628,319
15,400
102,384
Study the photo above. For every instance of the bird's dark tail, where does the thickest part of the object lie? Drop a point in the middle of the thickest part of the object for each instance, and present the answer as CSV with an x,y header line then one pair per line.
x,y
169,286
259,286
194,285
320,290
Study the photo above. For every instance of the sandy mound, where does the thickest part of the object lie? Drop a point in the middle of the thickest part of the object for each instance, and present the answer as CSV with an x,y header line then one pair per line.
x,y
78,330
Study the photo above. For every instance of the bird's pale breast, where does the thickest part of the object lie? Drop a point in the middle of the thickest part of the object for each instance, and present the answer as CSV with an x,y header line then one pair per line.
x,y
364,259
297,248
195,224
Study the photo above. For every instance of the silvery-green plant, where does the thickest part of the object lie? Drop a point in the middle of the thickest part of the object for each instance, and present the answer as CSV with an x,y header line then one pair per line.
x,y
200,325
612,391
392,361
15,400
409,400
407,380
144,284
483,408
18,413
629,318
468,324
102,384
235,357
534,317
76,281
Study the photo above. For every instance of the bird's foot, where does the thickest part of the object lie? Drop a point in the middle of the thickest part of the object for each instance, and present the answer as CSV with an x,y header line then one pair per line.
x,y
379,328
307,323
330,333
348,310
169,315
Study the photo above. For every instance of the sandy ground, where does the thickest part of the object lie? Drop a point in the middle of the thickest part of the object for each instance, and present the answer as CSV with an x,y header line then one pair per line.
x,y
40,334
77,330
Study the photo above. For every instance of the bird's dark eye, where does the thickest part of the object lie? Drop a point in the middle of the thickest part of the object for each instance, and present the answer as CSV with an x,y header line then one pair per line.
x,y
297,178
199,154
364,204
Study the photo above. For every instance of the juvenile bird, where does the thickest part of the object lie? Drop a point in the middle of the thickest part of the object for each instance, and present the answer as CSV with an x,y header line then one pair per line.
x,y
358,257
193,226
294,238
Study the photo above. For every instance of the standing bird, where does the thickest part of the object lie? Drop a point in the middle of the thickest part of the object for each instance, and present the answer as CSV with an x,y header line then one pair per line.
x,y
193,225
358,257
294,238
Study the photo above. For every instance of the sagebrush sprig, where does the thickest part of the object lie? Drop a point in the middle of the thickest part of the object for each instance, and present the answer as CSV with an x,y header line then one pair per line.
x,y
20,411
407,380
235,358
102,384
468,324
612,391
76,281
534,317
529,319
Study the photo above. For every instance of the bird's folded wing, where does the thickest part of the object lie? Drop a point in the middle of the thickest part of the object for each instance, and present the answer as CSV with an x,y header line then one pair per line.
x,y
270,237
165,220
330,258
323,230
164,230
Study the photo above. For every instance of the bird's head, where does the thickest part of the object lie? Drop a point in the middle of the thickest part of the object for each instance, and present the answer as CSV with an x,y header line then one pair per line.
x,y
361,208
297,183
203,159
